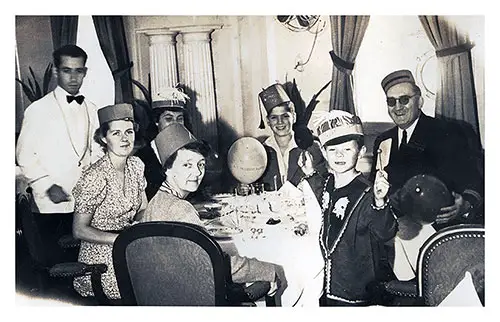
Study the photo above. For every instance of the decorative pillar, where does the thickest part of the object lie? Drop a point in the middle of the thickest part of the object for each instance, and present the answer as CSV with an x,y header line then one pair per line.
x,y
198,76
163,60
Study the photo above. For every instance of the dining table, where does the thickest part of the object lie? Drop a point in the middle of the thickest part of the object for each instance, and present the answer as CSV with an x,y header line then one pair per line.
x,y
280,227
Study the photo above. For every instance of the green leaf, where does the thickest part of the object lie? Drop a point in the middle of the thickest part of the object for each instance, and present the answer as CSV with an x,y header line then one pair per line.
x,y
32,88
144,91
27,91
38,90
47,76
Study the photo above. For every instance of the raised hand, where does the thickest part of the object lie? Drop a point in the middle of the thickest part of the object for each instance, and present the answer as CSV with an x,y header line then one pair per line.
x,y
380,187
459,207
305,162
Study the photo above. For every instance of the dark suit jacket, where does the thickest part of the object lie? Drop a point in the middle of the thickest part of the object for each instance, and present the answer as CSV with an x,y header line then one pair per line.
x,y
295,174
437,148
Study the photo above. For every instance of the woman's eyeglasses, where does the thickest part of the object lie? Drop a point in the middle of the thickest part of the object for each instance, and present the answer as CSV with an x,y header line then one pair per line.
x,y
403,100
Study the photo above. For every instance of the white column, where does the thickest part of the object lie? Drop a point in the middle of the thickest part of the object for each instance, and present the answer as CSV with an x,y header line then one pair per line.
x,y
163,60
198,77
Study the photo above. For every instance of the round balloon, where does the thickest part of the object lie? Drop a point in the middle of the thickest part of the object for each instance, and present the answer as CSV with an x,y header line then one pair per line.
x,y
247,159
422,196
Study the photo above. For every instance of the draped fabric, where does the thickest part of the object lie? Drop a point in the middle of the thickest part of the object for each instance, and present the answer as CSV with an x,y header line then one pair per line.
x,y
111,34
347,34
64,29
456,95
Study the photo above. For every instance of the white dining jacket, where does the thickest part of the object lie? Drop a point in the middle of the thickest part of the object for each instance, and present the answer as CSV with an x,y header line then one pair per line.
x,y
55,144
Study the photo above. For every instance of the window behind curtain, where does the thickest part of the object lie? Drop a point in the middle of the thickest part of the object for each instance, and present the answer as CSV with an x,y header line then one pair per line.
x,y
99,84
392,43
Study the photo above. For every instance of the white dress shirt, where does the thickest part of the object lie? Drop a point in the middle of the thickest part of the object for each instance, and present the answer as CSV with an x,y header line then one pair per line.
x,y
282,158
409,132
55,144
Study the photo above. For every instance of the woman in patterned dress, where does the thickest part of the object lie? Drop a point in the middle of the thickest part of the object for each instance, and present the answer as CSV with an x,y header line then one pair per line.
x,y
109,196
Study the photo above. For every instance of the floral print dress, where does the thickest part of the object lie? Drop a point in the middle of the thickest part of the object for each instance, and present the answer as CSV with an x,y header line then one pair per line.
x,y
113,206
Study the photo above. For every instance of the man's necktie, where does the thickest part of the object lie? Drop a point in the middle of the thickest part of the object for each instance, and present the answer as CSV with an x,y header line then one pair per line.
x,y
404,140
79,99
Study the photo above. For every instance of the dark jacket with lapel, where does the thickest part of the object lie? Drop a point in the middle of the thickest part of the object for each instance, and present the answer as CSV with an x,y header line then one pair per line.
x,y
353,258
437,148
295,174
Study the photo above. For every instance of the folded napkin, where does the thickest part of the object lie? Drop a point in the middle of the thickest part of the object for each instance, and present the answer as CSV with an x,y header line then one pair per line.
x,y
313,209
229,220
288,190
406,250
464,294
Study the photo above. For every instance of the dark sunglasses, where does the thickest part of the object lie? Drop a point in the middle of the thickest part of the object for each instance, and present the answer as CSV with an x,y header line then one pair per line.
x,y
403,100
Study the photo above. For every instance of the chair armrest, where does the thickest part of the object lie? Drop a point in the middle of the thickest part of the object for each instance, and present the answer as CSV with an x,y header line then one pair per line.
x,y
402,288
68,241
257,290
75,269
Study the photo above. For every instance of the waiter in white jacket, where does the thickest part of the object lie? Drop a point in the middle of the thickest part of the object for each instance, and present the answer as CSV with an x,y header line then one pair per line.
x,y
55,144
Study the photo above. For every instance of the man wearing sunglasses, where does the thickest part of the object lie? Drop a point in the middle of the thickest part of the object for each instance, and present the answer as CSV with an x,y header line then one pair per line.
x,y
420,144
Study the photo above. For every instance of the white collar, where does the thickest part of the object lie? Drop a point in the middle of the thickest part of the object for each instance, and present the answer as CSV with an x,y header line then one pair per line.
x,y
271,141
409,130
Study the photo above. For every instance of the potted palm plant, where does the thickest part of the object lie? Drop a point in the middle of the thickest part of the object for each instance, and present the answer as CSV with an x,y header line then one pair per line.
x,y
32,88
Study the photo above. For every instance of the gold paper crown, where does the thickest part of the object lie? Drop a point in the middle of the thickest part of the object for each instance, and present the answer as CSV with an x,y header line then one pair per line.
x,y
338,126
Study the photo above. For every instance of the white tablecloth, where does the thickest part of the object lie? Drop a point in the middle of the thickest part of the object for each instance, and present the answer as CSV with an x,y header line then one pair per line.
x,y
300,256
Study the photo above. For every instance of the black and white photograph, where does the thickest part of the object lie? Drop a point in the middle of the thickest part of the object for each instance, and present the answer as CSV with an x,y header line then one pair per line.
x,y
250,160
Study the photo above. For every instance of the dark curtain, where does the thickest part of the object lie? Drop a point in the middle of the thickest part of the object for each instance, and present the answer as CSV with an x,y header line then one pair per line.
x,y
347,34
64,29
111,34
456,95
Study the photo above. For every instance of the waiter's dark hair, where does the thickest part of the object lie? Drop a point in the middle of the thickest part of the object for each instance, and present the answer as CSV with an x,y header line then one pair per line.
x,y
71,51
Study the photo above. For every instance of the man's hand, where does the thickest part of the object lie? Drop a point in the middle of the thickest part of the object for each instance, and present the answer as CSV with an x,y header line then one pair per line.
x,y
305,163
57,194
459,208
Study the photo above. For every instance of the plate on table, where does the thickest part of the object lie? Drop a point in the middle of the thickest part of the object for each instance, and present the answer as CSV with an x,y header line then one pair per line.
x,y
222,196
204,214
223,231
212,206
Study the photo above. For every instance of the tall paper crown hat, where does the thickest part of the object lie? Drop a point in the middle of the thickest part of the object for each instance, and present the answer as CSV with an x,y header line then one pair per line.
x,y
338,126
169,97
397,77
171,139
273,96
115,112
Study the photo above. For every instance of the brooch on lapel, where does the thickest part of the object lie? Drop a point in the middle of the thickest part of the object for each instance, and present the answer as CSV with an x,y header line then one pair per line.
x,y
340,207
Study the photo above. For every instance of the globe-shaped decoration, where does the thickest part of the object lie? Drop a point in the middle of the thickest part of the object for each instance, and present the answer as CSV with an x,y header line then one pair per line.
x,y
422,196
247,160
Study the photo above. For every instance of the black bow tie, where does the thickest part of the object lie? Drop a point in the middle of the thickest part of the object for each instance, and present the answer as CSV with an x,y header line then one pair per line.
x,y
79,99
